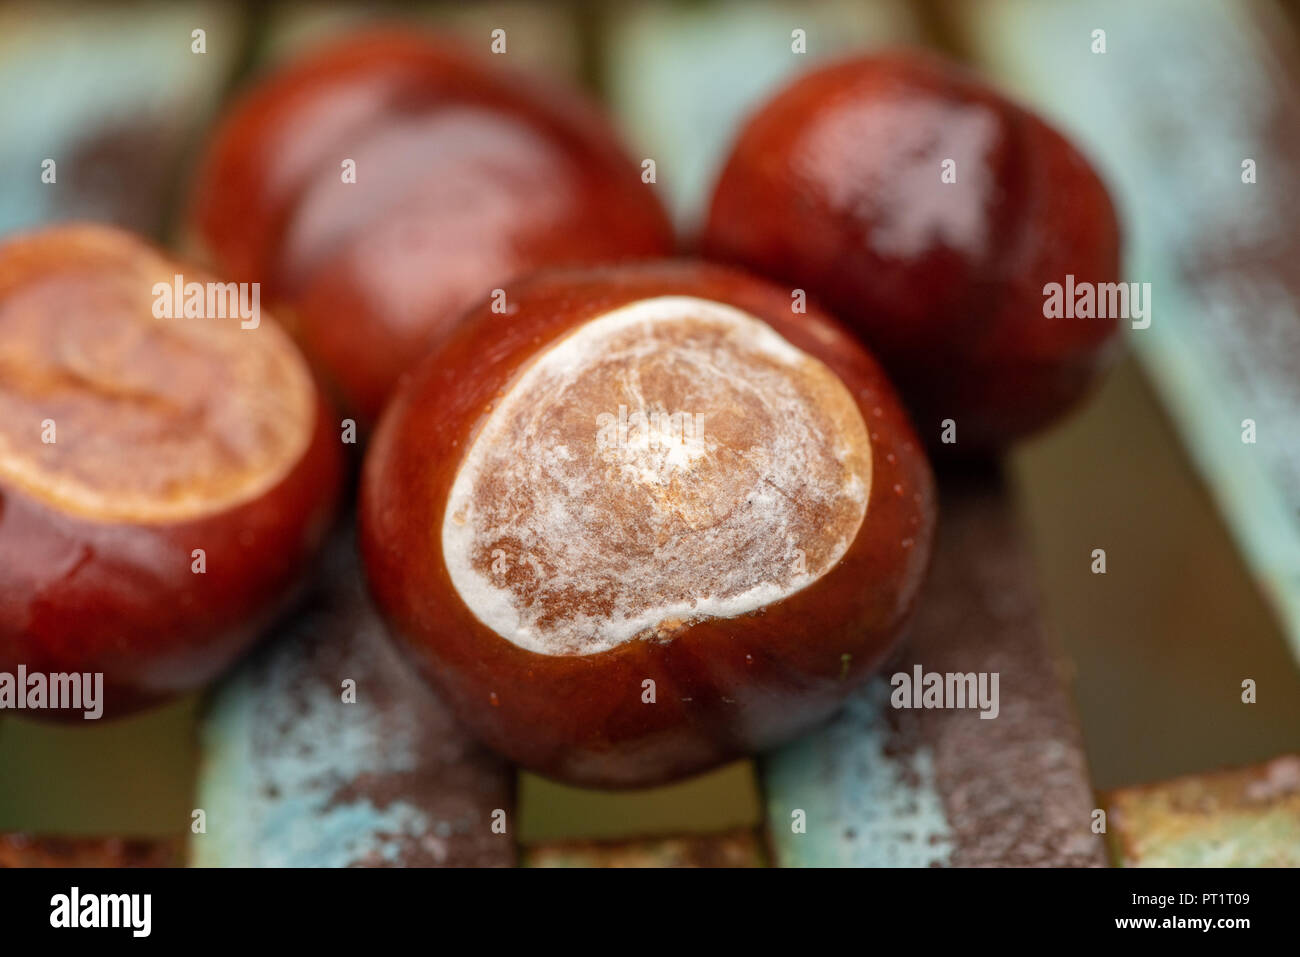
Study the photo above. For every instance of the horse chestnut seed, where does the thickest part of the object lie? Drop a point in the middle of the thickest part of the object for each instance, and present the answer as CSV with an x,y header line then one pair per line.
x,y
381,185
929,213
648,522
163,481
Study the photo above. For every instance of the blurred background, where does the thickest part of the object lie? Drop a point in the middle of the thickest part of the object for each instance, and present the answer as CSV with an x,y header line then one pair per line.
x,y
1202,532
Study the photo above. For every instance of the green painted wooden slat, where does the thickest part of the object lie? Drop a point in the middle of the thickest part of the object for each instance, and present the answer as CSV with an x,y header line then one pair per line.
x,y
292,775
1183,94
881,786
1248,817
865,789
114,95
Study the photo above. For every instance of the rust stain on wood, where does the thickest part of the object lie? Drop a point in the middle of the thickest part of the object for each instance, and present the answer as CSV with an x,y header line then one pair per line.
x,y
26,850
1245,817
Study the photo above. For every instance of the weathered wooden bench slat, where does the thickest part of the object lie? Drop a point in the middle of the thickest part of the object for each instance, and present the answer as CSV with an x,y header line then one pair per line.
x,y
291,774
882,786
114,100
1246,817
1184,98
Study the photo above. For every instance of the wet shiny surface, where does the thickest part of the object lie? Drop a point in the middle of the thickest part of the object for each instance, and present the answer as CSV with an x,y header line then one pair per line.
x,y
467,176
192,473
928,212
724,686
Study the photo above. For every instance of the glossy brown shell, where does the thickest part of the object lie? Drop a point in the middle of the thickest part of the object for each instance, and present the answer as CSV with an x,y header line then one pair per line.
x,y
79,594
834,186
725,687
468,175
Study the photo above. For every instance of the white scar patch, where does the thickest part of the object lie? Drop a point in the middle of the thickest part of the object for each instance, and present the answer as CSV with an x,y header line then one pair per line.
x,y
670,461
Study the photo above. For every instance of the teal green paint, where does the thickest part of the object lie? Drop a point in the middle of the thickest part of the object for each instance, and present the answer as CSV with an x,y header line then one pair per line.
x,y
865,804
73,82
1183,94
278,746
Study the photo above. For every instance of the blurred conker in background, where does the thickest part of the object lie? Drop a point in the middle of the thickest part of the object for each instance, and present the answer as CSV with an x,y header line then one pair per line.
x,y
655,521
928,212
381,185
164,478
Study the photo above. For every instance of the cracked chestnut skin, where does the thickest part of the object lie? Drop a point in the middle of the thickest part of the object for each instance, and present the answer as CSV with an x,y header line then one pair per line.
x,y
834,186
88,592
725,687
467,175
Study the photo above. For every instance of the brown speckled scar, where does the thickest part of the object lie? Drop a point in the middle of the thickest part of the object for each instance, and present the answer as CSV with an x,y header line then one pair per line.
x,y
673,460
114,415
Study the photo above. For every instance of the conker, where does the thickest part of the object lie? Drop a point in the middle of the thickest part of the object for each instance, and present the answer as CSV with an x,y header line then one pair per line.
x,y
928,212
650,521
163,481
381,185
